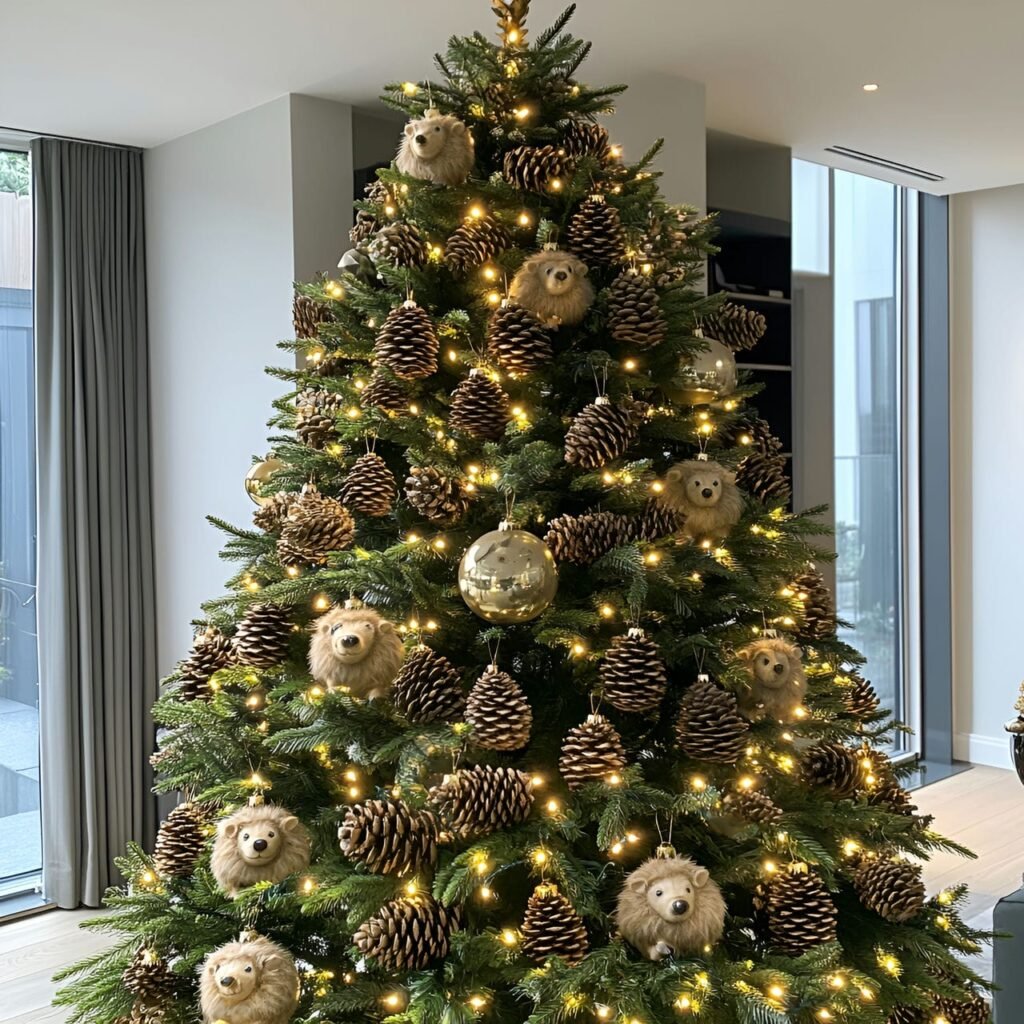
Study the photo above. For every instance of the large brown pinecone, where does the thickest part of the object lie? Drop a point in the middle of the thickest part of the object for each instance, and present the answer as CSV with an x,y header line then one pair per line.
x,y
795,912
400,244
552,927
736,327
263,636
585,538
149,978
833,766
859,698
910,1015
591,752
585,138
439,498
383,393
971,1010
596,234
634,316
180,841
710,726
762,471
479,407
389,837
517,340
408,934
211,651
817,620
427,688
479,800
315,526
370,487
499,712
752,806
270,516
633,676
307,316
531,168
366,224
892,888
331,364
893,797
475,243
407,343
141,1013
316,413
601,432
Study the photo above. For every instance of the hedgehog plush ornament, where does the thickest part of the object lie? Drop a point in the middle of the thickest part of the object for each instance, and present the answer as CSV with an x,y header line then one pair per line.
x,y
437,147
705,496
252,981
670,906
553,285
258,843
777,683
354,648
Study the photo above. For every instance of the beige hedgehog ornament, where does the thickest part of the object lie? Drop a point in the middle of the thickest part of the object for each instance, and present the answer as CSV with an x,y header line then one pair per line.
x,y
437,147
704,495
258,843
553,285
777,681
355,649
252,981
670,906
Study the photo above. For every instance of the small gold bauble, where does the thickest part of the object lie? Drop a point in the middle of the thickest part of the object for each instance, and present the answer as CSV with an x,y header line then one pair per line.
x,y
508,575
710,376
258,475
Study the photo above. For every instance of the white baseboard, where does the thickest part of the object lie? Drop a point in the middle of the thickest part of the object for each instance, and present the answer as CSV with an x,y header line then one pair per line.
x,y
978,749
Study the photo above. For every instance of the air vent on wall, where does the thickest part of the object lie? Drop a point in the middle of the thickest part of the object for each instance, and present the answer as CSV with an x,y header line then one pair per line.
x,y
881,161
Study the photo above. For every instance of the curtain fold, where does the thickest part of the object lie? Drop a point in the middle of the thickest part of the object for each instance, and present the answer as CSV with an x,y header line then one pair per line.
x,y
95,592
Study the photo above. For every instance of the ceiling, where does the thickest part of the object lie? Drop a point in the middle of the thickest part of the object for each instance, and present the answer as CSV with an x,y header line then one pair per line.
x,y
950,77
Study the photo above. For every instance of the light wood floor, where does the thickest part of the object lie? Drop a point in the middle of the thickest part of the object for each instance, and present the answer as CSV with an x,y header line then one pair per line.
x,y
983,808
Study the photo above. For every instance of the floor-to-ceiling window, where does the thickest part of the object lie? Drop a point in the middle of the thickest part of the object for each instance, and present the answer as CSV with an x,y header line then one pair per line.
x,y
20,854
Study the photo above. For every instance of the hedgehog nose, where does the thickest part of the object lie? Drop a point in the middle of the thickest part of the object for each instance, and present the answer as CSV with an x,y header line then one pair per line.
x,y
420,139
779,669
350,640
707,492
680,906
227,981
259,845
561,275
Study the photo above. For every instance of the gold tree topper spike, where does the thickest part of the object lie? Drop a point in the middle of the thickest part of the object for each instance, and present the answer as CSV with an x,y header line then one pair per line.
x,y
511,16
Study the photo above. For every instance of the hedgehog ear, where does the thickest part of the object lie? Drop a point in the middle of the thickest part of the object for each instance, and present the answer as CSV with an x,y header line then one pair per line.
x,y
409,129
231,829
636,884
583,268
745,655
458,128
798,653
700,877
290,823
675,474
385,627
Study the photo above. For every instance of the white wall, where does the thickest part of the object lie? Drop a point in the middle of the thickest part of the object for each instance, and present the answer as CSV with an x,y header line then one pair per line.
x,y
987,424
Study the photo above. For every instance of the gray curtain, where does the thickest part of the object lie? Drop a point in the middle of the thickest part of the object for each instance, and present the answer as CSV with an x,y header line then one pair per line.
x,y
96,615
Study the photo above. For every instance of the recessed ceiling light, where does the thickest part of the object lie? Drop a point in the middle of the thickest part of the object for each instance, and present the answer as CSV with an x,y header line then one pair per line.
x,y
871,87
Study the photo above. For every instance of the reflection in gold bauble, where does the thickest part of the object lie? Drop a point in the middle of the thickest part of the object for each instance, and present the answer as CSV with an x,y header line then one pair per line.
x,y
258,475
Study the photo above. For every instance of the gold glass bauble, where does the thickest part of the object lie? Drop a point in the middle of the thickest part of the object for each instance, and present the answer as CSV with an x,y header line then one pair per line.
x,y
710,375
258,475
508,575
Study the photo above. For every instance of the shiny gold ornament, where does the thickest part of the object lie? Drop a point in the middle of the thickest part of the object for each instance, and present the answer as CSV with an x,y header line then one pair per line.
x,y
260,474
508,575
710,376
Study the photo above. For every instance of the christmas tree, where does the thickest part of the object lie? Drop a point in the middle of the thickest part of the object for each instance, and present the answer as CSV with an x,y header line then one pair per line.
x,y
526,701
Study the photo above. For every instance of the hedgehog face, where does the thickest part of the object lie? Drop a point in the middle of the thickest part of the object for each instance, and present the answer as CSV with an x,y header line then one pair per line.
x,y
771,668
235,976
428,137
672,899
561,276
704,488
352,641
259,842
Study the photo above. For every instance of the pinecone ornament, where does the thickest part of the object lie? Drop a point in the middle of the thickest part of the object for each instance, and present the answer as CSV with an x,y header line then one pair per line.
x,y
439,498
399,244
532,168
795,912
710,726
736,327
517,341
893,797
315,526
383,393
499,712
753,806
211,651
817,620
370,487
973,1009
479,800
634,316
366,223
475,243
307,316
263,636
408,934
591,752
585,538
427,689
859,698
909,1015
389,837
316,413
479,407
762,471
149,978
833,766
892,888
180,841
601,432
633,676
596,234
407,343
142,1014
585,138
552,927
270,516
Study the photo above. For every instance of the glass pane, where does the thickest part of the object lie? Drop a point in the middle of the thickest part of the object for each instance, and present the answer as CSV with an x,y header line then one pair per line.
x,y
867,426
20,853
810,218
